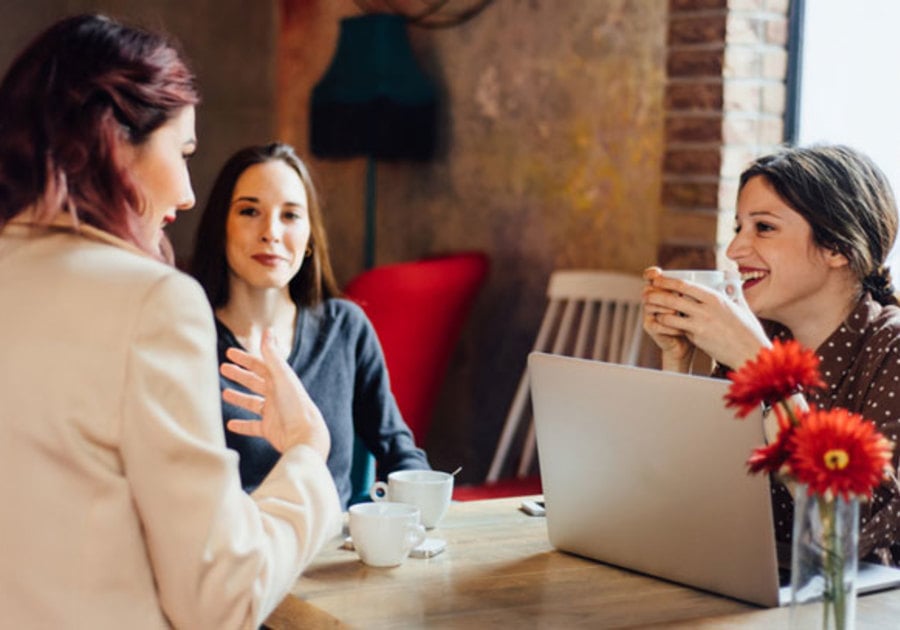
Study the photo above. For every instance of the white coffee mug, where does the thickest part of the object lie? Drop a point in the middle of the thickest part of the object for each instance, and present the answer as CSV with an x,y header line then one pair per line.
x,y
715,279
384,533
429,490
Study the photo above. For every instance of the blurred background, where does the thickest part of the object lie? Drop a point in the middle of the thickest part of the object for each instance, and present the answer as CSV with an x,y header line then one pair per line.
x,y
602,134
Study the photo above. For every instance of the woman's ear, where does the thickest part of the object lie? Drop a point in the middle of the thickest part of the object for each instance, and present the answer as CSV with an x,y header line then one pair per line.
x,y
835,258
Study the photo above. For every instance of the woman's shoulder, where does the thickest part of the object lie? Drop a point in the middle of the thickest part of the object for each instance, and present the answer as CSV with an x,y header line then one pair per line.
x,y
884,325
127,275
341,316
344,310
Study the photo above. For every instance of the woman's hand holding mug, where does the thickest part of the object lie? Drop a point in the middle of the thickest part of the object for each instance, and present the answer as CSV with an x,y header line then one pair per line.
x,y
703,309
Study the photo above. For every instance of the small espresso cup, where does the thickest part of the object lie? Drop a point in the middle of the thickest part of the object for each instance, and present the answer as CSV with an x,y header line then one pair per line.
x,y
429,490
715,279
384,533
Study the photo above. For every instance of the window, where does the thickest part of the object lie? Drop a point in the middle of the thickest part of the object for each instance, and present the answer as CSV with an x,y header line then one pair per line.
x,y
848,84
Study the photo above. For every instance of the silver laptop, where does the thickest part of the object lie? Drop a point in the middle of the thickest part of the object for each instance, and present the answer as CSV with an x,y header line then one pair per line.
x,y
645,469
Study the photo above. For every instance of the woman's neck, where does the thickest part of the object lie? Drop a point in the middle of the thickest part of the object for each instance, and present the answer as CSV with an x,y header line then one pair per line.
x,y
813,322
249,312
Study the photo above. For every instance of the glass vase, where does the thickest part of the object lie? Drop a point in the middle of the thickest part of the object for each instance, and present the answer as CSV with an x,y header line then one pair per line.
x,y
824,561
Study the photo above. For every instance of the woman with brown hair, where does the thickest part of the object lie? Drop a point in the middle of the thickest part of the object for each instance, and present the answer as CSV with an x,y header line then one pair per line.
x,y
262,257
813,228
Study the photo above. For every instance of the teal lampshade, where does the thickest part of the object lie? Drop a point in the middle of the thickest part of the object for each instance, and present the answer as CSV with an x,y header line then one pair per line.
x,y
374,99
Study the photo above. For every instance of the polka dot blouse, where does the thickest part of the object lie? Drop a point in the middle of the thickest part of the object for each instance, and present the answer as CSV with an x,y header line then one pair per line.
x,y
860,364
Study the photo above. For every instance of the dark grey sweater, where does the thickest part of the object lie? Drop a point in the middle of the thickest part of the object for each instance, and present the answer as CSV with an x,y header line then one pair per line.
x,y
338,358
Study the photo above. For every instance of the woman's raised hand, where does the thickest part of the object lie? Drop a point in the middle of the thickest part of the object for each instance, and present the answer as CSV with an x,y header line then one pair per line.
x,y
288,416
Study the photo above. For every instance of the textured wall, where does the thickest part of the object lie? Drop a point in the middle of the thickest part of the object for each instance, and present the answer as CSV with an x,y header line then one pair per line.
x,y
551,142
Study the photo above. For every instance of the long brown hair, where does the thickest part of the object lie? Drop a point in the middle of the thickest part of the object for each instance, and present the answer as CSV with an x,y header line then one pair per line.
x,y
209,264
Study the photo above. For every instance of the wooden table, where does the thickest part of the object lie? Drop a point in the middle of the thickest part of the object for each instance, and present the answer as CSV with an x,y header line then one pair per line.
x,y
499,570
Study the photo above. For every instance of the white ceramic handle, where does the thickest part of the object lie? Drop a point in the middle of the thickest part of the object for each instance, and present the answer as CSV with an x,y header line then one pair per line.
x,y
733,282
379,487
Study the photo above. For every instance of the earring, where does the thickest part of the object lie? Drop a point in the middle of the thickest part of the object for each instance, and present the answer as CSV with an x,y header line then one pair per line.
x,y
308,252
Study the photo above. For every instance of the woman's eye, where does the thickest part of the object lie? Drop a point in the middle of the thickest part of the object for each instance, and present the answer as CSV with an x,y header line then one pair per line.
x,y
247,212
292,216
764,227
737,229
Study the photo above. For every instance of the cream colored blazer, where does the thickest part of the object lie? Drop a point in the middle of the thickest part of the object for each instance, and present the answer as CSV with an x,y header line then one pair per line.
x,y
120,506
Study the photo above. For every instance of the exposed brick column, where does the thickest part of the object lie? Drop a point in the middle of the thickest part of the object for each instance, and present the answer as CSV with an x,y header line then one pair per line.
x,y
725,92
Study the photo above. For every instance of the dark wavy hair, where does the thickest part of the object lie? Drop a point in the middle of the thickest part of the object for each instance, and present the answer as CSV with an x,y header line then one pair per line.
x,y
79,89
209,265
847,201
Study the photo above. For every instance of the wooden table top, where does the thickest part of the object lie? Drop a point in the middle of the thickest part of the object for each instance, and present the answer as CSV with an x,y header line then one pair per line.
x,y
499,570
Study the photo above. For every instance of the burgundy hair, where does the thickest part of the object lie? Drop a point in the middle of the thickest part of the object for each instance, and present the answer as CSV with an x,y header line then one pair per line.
x,y
68,99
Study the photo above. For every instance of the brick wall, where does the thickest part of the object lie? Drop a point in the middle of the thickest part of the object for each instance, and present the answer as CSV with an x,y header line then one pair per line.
x,y
724,103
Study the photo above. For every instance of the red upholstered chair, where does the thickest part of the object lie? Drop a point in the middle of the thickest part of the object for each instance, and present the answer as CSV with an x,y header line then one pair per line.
x,y
418,309
508,487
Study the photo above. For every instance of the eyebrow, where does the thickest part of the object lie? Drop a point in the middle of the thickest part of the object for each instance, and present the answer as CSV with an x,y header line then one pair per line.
x,y
758,213
292,204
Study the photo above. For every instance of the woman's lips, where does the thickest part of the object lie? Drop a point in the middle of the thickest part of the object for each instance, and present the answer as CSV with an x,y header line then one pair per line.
x,y
751,277
269,260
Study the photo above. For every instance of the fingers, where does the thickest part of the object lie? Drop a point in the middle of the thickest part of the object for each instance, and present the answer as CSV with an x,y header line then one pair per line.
x,y
251,403
662,301
245,360
251,381
252,428
269,345
652,272
281,374
657,325
272,356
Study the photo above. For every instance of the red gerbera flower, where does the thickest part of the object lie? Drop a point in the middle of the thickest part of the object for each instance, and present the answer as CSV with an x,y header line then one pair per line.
x,y
774,375
837,452
772,457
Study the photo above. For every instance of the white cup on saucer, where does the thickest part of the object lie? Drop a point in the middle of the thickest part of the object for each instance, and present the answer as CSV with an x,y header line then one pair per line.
x,y
429,490
384,533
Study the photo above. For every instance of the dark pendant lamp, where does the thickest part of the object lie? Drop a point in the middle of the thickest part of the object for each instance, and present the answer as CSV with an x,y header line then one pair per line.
x,y
373,101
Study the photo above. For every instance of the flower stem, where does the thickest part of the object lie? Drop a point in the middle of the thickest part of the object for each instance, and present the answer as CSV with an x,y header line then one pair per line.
x,y
834,595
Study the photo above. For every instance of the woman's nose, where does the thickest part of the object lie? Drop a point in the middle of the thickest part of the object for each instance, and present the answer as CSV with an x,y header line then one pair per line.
x,y
188,200
737,247
270,234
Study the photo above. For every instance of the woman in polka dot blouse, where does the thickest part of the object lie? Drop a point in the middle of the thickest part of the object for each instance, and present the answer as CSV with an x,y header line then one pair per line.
x,y
813,228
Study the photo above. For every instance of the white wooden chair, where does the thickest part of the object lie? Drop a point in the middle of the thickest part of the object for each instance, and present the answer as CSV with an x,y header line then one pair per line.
x,y
590,314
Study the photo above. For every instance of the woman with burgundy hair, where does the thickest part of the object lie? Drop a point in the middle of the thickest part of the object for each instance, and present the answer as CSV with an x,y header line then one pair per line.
x,y
124,507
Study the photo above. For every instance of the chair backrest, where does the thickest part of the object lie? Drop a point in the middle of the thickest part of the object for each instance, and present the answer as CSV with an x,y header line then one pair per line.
x,y
418,309
590,314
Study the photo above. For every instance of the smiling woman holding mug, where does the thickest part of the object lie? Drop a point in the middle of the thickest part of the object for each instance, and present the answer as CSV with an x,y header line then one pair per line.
x,y
812,230
123,507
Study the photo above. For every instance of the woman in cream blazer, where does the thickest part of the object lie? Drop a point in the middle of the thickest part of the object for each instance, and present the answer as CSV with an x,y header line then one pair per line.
x,y
122,506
